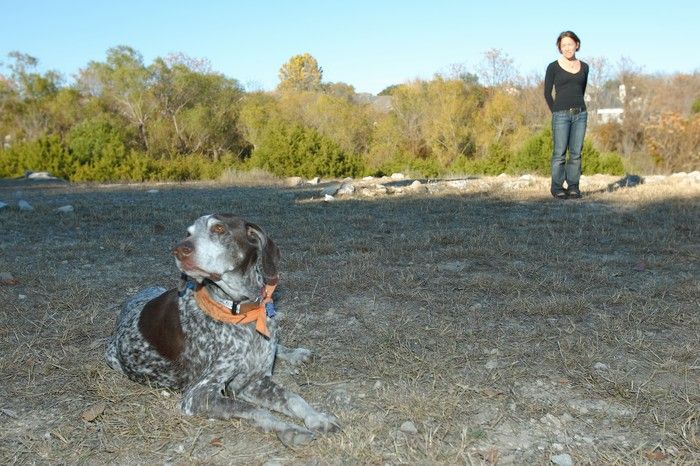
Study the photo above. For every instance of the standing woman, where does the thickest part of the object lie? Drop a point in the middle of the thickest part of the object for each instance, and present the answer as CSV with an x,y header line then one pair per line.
x,y
568,77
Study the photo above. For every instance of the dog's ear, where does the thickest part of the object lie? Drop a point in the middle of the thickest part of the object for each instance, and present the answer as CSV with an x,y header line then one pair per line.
x,y
268,253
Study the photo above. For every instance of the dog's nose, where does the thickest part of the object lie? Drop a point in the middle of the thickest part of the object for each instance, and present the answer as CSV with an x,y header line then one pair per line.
x,y
183,250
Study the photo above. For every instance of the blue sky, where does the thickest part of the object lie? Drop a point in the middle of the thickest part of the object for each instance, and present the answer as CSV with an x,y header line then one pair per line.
x,y
368,44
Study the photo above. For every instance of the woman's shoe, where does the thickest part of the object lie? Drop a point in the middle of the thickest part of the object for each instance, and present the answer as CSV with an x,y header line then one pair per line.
x,y
574,193
559,194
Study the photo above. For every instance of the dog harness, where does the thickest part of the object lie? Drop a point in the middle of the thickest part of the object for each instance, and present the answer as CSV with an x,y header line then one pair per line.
x,y
242,313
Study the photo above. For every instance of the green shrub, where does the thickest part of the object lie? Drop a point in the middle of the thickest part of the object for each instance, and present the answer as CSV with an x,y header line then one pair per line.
x,y
44,154
293,150
409,165
495,162
536,157
695,108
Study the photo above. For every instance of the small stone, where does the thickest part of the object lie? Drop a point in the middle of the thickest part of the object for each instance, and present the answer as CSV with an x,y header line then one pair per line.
x,y
24,206
346,189
340,397
599,366
397,176
563,459
65,209
378,384
273,462
459,184
408,427
328,198
331,189
491,364
6,278
93,412
22,296
152,191
9,413
557,446
566,417
39,176
314,181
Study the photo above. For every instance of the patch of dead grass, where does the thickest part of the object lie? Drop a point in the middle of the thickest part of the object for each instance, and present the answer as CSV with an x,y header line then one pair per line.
x,y
478,316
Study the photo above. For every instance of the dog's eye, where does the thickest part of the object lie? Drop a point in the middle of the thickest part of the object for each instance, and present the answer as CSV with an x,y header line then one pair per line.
x,y
218,229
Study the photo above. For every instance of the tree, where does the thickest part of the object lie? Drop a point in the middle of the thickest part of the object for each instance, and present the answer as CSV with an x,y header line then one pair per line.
x,y
26,96
300,73
496,68
124,82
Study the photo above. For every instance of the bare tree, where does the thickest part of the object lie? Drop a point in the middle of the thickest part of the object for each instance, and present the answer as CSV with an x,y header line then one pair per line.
x,y
496,69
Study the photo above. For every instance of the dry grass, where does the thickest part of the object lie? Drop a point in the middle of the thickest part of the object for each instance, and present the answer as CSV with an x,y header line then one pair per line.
x,y
478,316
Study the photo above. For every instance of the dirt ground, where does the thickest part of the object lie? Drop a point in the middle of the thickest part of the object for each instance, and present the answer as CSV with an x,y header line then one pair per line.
x,y
474,321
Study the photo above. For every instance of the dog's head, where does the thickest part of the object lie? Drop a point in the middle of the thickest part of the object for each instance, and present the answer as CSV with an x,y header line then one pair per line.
x,y
236,255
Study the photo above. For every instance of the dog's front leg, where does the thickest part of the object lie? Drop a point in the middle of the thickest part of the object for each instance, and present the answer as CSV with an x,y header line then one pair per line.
x,y
267,393
207,399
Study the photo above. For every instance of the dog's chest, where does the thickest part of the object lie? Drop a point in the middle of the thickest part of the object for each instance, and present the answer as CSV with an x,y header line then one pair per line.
x,y
223,350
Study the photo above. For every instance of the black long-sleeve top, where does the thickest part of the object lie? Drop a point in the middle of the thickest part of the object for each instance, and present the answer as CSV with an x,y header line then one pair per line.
x,y
569,87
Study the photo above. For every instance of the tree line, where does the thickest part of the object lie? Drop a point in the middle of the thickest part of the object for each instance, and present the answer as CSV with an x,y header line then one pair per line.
x,y
177,119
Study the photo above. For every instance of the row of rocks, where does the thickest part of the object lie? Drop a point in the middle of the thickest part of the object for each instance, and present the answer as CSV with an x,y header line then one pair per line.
x,y
398,184
24,206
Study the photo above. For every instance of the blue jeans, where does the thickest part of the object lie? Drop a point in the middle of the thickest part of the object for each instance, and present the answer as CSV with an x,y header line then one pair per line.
x,y
568,129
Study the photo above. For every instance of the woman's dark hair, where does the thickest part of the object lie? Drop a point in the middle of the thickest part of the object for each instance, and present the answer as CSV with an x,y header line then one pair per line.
x,y
571,35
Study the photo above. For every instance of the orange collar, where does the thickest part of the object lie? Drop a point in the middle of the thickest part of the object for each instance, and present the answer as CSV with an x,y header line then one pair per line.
x,y
246,312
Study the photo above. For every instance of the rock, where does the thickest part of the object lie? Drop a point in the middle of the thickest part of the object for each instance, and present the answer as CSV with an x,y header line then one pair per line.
x,y
368,178
328,198
65,209
293,181
3,205
627,181
378,384
152,191
408,427
459,184
6,278
39,176
491,364
314,181
93,412
331,189
24,206
273,462
340,397
563,459
346,189
600,366
397,176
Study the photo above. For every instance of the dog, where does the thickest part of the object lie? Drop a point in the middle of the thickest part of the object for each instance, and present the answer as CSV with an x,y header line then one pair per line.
x,y
214,337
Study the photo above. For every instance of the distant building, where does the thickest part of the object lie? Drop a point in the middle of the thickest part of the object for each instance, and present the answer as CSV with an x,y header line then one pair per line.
x,y
610,115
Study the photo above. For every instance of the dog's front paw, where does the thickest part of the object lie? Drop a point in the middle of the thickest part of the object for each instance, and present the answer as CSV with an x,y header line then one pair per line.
x,y
321,422
293,436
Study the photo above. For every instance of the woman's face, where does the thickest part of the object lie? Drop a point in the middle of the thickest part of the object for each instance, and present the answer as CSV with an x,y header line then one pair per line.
x,y
567,47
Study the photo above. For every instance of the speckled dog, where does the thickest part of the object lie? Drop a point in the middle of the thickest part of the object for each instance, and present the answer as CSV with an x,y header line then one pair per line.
x,y
214,336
